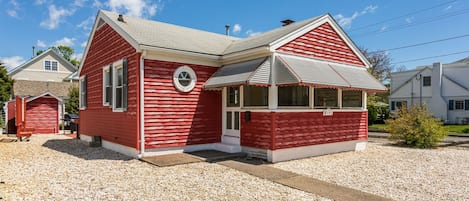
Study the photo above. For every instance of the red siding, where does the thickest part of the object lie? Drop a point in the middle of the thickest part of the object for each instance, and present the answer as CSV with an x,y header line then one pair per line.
x,y
42,115
295,129
107,47
174,118
11,116
323,43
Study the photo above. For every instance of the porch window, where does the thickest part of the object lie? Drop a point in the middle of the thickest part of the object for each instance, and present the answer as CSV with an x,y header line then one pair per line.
x,y
232,97
352,99
293,96
107,85
325,98
255,96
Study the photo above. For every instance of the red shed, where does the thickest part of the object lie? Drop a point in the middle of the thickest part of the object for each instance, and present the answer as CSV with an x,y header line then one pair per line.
x,y
41,113
150,88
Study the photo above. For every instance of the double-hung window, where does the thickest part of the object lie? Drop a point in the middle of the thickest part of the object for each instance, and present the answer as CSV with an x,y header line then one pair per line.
x,y
83,93
50,65
107,85
119,86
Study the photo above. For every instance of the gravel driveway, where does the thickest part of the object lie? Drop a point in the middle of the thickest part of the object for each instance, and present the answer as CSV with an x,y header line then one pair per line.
x,y
393,172
54,167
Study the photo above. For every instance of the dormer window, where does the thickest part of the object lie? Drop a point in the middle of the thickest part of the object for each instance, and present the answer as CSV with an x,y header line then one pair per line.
x,y
50,65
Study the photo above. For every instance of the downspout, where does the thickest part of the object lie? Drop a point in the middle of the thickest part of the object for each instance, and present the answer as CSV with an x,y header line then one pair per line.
x,y
141,104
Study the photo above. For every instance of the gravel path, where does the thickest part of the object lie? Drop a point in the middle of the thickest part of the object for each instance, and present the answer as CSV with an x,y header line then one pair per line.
x,y
393,172
53,167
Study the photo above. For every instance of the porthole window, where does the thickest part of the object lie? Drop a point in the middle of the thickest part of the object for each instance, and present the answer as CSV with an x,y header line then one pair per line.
x,y
184,79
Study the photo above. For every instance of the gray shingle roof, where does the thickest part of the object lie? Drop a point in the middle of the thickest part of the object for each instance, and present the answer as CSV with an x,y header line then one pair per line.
x,y
163,35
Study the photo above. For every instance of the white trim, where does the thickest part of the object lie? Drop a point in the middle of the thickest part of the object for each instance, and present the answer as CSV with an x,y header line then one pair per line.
x,y
192,75
245,55
315,150
44,66
80,90
273,88
106,70
339,98
115,66
128,151
44,94
142,102
181,58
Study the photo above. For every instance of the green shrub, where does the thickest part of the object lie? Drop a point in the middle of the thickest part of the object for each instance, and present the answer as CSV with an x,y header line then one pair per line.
x,y
372,114
416,127
465,130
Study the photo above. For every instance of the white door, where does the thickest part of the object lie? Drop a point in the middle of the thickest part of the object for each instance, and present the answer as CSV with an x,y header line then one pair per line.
x,y
231,116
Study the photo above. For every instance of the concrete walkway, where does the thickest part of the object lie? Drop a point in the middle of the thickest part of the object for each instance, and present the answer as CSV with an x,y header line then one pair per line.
x,y
300,182
257,167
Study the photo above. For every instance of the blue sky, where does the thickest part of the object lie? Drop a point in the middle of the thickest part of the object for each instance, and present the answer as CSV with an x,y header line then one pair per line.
x,y
44,23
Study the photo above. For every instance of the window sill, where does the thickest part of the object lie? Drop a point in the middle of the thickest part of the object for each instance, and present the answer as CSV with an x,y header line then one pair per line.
x,y
118,110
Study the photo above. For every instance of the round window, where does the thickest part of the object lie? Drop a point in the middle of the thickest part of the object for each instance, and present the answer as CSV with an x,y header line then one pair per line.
x,y
184,79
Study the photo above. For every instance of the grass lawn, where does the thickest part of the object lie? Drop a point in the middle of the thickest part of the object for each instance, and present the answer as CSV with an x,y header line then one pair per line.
x,y
453,129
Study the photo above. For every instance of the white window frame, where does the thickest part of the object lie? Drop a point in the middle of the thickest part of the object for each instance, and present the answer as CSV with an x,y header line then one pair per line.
x,y
106,70
115,66
50,70
192,75
80,95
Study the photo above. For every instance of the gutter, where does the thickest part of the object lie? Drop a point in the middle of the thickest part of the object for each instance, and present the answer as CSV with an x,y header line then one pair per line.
x,y
141,104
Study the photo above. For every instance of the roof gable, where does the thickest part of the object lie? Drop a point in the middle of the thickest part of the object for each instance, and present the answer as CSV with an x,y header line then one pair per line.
x,y
63,62
322,39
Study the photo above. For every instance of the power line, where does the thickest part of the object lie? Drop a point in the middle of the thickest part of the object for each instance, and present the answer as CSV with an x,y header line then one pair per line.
x,y
405,15
424,43
436,18
431,57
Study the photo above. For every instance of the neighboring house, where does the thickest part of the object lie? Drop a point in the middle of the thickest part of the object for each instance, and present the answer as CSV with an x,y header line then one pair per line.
x,y
444,88
150,88
47,73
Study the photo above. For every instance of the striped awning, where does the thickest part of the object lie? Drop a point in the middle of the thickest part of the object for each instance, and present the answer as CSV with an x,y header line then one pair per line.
x,y
253,72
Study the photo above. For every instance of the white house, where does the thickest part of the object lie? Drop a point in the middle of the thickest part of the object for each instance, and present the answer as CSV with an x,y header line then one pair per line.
x,y
444,88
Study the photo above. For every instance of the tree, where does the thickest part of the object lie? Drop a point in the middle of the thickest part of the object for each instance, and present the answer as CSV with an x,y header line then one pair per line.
x,y
6,85
65,51
71,104
380,61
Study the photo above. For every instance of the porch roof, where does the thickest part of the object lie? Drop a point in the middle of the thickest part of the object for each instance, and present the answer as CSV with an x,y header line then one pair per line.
x,y
253,72
292,70
304,71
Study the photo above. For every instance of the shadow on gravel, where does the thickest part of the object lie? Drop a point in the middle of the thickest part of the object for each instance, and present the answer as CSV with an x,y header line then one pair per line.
x,y
81,149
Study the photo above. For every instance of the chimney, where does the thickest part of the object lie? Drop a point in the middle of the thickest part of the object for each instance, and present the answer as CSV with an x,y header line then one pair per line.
x,y
438,104
287,22
120,18
227,30
33,52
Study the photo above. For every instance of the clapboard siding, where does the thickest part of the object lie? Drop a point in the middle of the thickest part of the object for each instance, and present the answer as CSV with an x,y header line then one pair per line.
x,y
42,114
107,47
174,118
323,43
280,130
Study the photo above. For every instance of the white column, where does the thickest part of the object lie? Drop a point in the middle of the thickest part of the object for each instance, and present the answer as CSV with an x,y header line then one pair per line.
x,y
364,95
223,113
273,89
339,97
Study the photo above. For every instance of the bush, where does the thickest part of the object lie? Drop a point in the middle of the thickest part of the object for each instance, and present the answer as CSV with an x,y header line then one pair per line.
x,y
416,127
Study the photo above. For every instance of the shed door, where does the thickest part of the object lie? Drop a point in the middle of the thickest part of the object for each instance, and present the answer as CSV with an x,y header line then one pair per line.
x,y
231,116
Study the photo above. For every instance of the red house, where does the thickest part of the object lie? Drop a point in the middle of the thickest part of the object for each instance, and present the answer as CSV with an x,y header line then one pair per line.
x,y
151,88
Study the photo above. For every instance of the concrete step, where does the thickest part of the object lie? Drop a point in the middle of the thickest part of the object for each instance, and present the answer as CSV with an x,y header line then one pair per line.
x,y
228,148
215,155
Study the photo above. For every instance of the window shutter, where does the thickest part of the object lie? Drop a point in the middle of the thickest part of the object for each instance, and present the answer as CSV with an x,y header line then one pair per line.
x,y
85,92
112,84
466,104
393,105
451,105
125,79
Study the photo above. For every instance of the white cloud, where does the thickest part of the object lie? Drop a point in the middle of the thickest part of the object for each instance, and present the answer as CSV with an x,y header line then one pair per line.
x,y
86,24
77,56
79,3
83,44
448,7
12,13
237,28
346,22
97,4
56,16
41,43
383,28
40,2
12,62
250,33
65,41
137,8
409,19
